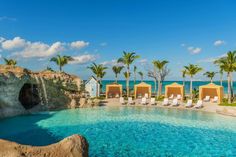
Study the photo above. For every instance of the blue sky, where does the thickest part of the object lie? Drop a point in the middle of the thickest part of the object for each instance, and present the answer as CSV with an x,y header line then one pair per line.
x,y
182,32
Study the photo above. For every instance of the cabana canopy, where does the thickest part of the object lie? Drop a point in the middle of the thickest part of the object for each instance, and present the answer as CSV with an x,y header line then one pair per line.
x,y
113,90
141,89
211,90
175,89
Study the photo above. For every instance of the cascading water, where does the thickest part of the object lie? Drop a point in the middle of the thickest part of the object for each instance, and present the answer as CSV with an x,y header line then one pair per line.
x,y
39,90
44,90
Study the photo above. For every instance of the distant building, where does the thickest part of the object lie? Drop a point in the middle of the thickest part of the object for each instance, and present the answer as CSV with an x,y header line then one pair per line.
x,y
92,86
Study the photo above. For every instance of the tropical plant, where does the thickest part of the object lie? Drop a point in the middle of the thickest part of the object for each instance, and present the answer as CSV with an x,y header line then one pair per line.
x,y
160,66
127,59
49,69
61,60
11,62
117,70
183,76
99,71
192,70
210,75
135,70
195,93
228,64
141,75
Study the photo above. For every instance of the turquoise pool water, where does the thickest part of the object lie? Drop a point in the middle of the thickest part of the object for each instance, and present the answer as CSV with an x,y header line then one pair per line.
x,y
129,131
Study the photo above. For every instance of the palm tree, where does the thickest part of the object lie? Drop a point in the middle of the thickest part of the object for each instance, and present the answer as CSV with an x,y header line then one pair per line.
x,y
192,70
183,76
99,71
11,62
127,59
141,75
210,74
159,65
135,69
221,71
117,70
228,64
221,76
61,60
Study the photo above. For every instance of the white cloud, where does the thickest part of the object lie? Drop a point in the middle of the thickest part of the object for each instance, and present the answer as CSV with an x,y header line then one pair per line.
x,y
219,42
211,59
38,49
194,50
113,62
83,59
183,45
3,18
15,43
1,39
103,44
143,61
79,44
27,49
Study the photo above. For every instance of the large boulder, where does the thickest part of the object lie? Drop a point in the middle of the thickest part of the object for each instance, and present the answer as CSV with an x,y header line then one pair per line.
x,y
73,146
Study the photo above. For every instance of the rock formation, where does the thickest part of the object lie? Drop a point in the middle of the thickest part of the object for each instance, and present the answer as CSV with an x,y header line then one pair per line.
x,y
23,91
73,146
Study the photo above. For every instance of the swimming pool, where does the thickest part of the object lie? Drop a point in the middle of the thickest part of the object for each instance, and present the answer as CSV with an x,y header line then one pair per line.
x,y
129,131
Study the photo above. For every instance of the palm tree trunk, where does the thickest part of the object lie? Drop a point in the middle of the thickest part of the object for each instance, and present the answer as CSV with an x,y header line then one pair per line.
x,y
116,78
191,87
60,68
229,88
184,82
211,80
160,92
127,82
232,84
134,78
155,85
159,86
221,79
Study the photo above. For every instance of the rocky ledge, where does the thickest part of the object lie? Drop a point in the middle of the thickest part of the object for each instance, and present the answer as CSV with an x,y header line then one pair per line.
x,y
73,146
24,91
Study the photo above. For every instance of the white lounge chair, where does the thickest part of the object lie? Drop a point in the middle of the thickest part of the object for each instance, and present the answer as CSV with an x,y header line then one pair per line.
x,y
179,97
144,101
215,99
175,102
189,103
130,101
165,102
146,95
171,96
207,98
110,95
122,100
199,104
153,101
117,96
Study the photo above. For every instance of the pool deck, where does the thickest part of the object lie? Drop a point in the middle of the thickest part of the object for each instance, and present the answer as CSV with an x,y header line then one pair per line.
x,y
207,106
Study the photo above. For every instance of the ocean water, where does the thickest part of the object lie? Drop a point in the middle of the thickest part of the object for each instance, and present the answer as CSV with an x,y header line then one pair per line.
x,y
130,131
196,84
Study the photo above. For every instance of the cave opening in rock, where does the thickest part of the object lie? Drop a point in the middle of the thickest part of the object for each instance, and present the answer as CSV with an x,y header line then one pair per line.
x,y
29,95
